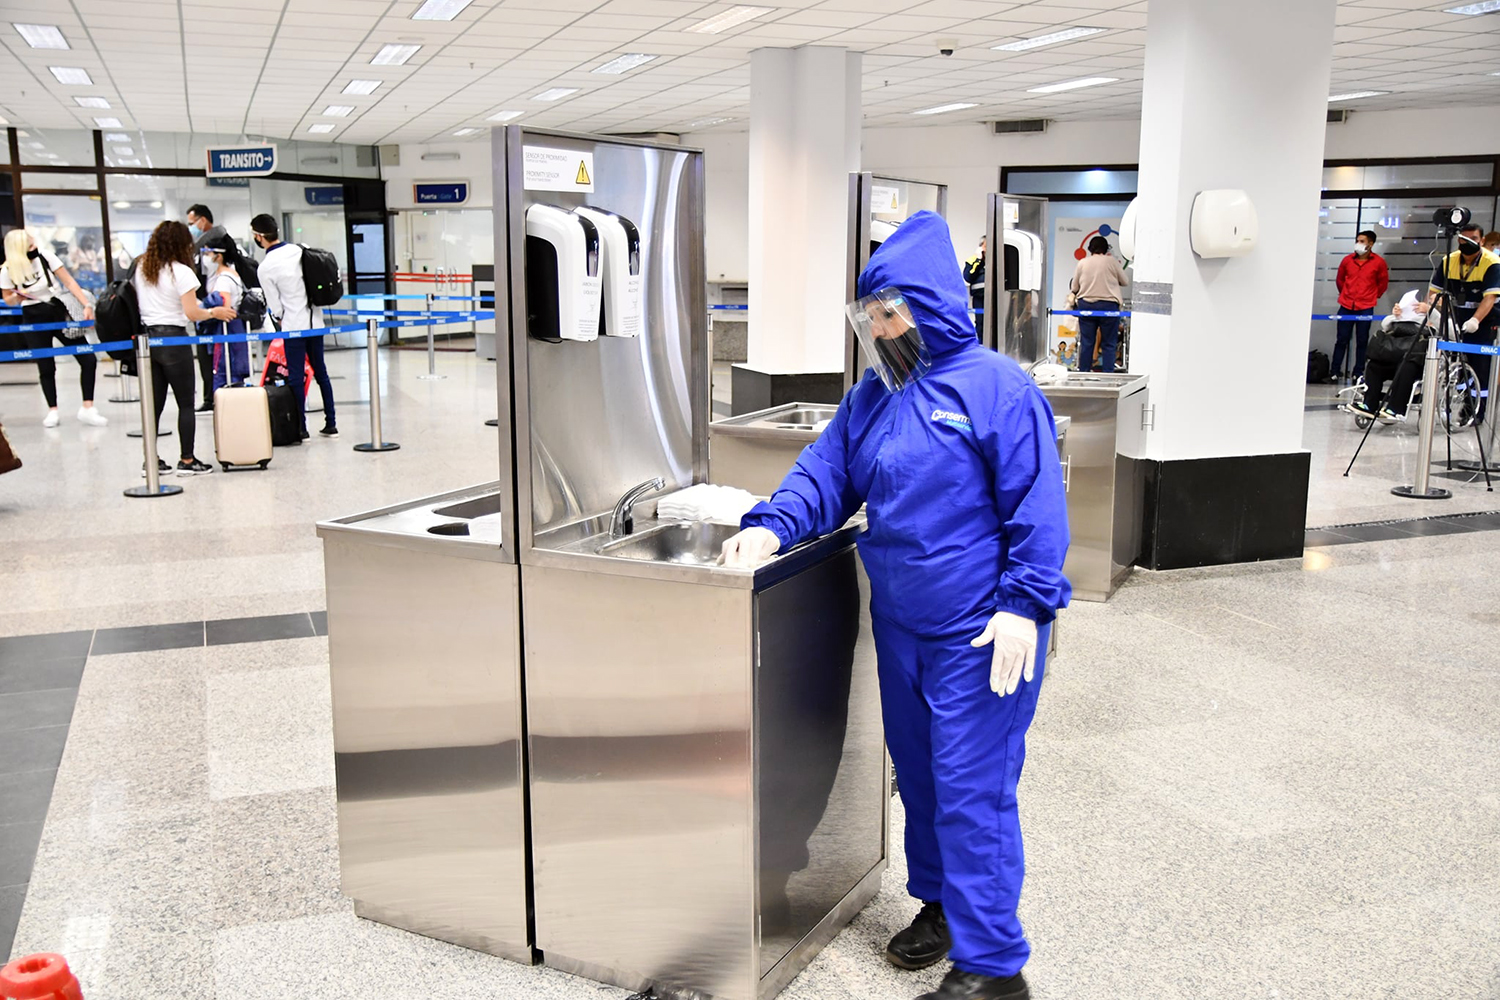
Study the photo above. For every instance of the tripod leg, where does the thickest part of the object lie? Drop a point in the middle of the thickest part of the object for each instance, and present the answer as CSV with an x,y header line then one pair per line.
x,y
1484,462
1368,428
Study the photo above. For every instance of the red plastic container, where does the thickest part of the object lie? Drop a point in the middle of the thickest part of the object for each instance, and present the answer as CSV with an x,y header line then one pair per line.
x,y
39,977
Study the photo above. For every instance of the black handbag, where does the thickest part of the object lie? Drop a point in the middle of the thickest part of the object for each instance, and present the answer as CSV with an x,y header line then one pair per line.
x,y
1389,347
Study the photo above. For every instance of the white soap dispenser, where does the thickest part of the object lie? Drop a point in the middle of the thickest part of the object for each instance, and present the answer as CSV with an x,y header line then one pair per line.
x,y
1023,261
563,282
620,243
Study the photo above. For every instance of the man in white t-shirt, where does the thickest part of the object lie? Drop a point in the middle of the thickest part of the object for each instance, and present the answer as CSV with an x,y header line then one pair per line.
x,y
286,300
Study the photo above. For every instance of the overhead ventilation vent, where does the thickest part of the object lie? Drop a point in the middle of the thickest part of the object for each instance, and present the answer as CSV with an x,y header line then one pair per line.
x,y
1021,125
1337,116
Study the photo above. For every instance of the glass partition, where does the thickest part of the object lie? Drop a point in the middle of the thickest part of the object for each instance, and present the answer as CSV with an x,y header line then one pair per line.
x,y
49,147
71,226
1089,181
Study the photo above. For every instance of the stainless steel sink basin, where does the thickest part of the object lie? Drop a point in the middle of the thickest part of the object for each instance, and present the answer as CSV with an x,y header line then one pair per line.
x,y
695,543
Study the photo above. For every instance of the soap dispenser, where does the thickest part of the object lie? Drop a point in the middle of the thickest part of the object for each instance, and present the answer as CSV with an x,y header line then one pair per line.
x,y
563,281
620,245
1023,261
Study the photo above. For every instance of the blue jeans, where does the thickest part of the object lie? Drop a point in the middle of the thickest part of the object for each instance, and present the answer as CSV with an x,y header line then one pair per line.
x,y
310,350
1360,329
1090,327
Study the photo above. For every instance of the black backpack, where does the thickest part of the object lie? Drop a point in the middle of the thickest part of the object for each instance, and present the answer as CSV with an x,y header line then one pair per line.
x,y
248,270
320,274
1318,367
117,316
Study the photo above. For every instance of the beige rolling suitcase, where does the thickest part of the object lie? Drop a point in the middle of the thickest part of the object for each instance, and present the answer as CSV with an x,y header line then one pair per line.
x,y
242,423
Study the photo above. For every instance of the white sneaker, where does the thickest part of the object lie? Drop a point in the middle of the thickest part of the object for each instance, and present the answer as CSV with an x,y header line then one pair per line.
x,y
92,417
52,419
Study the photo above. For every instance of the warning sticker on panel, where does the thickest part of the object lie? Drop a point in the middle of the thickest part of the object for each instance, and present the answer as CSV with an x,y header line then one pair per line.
x,y
558,169
885,200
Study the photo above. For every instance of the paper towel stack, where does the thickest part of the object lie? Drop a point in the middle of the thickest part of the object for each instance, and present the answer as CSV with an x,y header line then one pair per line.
x,y
705,502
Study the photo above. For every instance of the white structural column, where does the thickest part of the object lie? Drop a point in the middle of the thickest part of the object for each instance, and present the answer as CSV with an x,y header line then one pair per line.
x,y
804,143
1235,96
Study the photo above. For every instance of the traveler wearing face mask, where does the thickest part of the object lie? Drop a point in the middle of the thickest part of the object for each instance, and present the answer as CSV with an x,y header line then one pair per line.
x,y
31,278
1472,274
953,448
1362,279
200,220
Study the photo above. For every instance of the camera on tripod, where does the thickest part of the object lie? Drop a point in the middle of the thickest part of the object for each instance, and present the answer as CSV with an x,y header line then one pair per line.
x,y
1450,220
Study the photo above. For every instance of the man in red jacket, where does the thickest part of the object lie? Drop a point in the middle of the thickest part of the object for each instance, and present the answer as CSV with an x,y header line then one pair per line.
x,y
1363,278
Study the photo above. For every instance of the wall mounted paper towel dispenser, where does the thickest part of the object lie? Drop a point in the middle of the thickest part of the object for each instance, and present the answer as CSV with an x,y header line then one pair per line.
x,y
1224,223
620,244
564,287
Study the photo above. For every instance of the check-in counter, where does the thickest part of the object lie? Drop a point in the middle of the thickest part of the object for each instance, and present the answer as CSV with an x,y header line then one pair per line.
x,y
427,719
1105,477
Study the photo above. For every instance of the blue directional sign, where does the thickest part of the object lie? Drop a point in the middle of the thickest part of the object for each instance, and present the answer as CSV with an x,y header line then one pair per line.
x,y
446,193
333,195
241,161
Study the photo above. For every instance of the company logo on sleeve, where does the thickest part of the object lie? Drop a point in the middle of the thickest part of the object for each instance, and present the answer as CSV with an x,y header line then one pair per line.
x,y
952,419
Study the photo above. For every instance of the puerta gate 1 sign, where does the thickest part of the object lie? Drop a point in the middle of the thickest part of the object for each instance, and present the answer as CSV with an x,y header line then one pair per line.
x,y
242,161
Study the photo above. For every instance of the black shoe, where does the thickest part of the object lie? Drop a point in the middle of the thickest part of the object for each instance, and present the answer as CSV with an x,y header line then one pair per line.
x,y
207,407
162,468
922,944
193,468
329,431
971,986
305,435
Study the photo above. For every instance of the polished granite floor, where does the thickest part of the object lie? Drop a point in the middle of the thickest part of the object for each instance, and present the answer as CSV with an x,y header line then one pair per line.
x,y
1275,780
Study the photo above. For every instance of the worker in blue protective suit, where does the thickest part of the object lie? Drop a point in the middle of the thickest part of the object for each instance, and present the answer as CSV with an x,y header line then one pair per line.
x,y
953,448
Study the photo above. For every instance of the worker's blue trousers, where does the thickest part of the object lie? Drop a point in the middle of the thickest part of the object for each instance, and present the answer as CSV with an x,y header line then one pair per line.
x,y
958,750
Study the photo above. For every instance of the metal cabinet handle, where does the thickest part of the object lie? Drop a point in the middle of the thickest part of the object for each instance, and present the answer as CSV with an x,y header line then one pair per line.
x,y
1067,473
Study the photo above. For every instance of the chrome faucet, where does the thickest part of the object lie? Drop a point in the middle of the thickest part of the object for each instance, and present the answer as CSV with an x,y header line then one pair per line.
x,y
622,521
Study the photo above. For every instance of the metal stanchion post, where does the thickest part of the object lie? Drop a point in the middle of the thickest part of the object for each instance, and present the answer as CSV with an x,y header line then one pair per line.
x,y
431,346
127,390
372,358
1423,490
154,486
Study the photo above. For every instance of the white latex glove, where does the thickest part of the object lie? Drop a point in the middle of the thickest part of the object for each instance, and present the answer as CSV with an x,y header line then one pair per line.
x,y
750,548
1471,325
1387,323
1015,651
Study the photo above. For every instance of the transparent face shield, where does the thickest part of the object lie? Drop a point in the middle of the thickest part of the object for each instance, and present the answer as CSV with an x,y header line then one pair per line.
x,y
889,337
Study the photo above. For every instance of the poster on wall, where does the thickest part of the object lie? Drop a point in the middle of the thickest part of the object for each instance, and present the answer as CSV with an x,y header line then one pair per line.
x,y
1070,240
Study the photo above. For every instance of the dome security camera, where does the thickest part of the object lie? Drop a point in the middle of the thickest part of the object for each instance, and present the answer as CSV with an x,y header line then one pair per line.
x,y
946,46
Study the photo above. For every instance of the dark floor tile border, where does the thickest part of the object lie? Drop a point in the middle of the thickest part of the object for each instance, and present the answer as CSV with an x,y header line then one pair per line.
x,y
1414,527
23,649
49,646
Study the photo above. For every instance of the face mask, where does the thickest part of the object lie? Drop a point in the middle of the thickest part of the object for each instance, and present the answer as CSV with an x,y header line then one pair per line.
x,y
1361,249
33,253
1467,247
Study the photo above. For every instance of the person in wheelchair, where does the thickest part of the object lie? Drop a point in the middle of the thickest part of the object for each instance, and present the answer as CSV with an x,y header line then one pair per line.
x,y
1392,357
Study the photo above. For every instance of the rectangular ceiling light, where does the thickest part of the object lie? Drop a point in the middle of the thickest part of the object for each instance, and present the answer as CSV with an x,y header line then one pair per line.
x,y
42,36
124,150
321,127
394,55
729,18
466,131
555,94
73,76
361,86
338,110
128,163
1356,95
1088,81
623,64
108,123
116,137
707,122
1065,35
504,116
1487,7
944,109
440,10
91,102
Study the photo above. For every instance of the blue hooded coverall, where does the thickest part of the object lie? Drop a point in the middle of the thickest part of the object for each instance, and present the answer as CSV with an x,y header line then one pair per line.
x,y
966,518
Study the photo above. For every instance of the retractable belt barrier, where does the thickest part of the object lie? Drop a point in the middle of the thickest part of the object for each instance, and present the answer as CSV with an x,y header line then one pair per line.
x,y
1125,313
36,354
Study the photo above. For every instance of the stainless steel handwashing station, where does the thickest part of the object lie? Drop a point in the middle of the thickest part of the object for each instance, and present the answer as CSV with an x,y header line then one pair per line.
x,y
588,744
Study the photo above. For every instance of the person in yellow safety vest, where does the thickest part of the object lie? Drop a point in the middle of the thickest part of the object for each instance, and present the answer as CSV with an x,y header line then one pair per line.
x,y
974,277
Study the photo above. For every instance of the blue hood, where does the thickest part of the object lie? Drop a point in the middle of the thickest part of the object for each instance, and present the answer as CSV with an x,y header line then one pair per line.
x,y
919,259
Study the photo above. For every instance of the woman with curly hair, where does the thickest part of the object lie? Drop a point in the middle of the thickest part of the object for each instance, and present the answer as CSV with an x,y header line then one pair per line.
x,y
167,288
